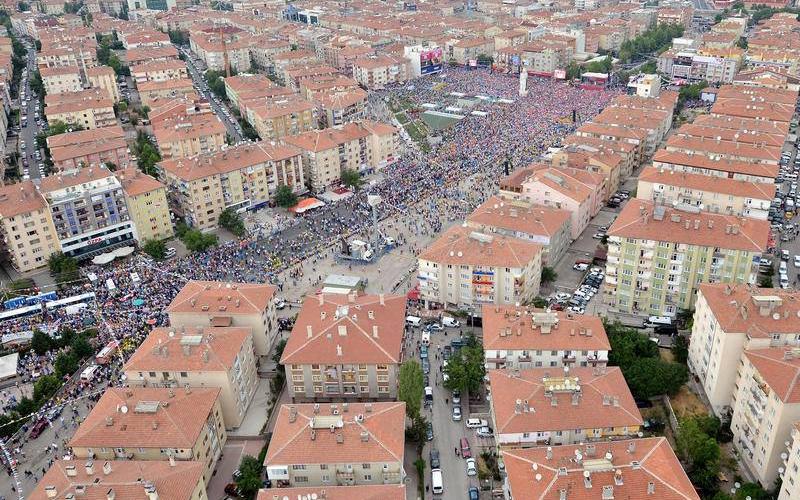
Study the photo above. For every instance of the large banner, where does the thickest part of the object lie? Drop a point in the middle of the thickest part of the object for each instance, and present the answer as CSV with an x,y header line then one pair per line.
x,y
430,61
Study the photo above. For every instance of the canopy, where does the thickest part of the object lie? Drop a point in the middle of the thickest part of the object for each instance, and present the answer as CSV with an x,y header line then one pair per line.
x,y
104,258
8,366
123,251
138,302
307,204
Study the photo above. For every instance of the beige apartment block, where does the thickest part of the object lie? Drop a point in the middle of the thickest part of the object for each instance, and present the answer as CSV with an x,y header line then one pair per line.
x,y
89,108
546,226
189,135
159,71
241,177
632,468
263,51
790,487
281,116
715,167
217,304
153,91
327,152
710,194
122,480
519,337
88,148
62,79
346,346
659,256
559,407
242,87
766,406
103,77
147,204
730,320
467,269
153,424
29,236
341,444
199,357
363,492
150,54
375,72
337,107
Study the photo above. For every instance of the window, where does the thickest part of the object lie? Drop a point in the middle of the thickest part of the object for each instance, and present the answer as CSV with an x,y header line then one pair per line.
x,y
365,466
298,467
367,477
184,374
301,479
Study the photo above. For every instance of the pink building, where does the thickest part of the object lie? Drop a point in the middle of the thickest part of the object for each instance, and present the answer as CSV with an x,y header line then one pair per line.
x,y
89,148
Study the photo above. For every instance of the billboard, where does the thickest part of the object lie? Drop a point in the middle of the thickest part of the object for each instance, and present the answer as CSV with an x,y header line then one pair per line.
x,y
515,60
473,63
560,74
430,60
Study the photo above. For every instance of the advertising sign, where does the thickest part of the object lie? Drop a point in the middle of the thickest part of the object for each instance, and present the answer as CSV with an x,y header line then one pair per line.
x,y
430,60
560,74
515,60
473,63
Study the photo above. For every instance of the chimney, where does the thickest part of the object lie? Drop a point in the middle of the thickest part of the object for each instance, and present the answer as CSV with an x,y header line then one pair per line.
x,y
321,299
549,452
651,488
150,491
608,493
351,298
89,468
71,471
323,315
587,479
375,331
309,331
110,494
618,477
371,314
107,468
631,446
562,494
343,330
50,491
171,460
382,299
338,350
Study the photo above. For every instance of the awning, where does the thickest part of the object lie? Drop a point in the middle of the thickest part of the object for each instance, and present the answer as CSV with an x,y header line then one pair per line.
x,y
307,204
104,258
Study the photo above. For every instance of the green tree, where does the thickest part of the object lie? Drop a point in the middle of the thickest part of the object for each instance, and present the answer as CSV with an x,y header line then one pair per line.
x,y
19,288
249,481
351,178
81,347
765,282
485,60
651,377
231,221
700,453
45,388
680,349
410,387
41,342
652,41
216,83
466,368
122,106
156,249
549,275
65,364
8,424
628,345
539,302
63,268
37,86
197,241
285,197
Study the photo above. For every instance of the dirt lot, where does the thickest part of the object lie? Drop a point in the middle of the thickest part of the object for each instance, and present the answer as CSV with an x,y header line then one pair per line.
x,y
686,403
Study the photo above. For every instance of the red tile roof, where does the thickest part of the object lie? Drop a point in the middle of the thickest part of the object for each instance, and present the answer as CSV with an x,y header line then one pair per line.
x,y
209,297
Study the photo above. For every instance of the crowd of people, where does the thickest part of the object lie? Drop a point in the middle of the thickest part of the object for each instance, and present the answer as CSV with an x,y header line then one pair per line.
x,y
420,193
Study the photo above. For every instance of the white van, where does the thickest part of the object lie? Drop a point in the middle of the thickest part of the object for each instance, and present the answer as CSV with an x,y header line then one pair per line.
x,y
88,374
426,337
451,322
657,320
436,481
414,321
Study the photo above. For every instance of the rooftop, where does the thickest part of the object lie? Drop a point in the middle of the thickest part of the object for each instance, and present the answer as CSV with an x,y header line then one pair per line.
x,y
758,312
463,246
135,182
338,433
520,216
20,198
526,328
634,469
349,329
146,418
229,160
216,297
780,369
702,161
722,185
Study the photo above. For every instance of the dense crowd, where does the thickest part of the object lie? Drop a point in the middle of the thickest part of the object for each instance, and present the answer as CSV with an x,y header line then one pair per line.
x,y
419,192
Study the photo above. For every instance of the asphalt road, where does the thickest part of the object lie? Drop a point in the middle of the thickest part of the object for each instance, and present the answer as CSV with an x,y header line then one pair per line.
x,y
28,134
217,104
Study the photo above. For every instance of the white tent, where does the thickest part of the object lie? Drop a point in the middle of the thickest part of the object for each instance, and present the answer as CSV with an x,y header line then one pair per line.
x,y
123,252
8,366
104,258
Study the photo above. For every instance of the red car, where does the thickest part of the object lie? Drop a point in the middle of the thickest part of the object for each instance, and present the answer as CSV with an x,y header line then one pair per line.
x,y
466,452
38,428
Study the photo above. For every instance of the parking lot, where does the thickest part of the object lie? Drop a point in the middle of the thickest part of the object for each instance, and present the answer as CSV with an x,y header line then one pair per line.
x,y
783,218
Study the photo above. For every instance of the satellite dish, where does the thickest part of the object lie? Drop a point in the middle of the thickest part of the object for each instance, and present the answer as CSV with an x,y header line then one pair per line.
x,y
124,409
538,477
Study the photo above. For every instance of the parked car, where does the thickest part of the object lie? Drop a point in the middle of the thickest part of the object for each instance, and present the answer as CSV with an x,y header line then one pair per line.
x,y
466,452
435,463
472,469
429,432
485,432
580,267
476,423
473,493
456,414
456,397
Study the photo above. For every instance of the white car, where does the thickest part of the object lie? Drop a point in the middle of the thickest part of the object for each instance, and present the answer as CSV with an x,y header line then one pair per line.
x,y
484,432
472,470
580,267
476,423
797,261
456,413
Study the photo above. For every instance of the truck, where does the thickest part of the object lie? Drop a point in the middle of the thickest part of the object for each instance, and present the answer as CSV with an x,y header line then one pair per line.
x,y
357,250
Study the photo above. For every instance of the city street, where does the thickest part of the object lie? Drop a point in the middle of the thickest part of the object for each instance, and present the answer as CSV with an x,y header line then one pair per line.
x,y
219,107
29,132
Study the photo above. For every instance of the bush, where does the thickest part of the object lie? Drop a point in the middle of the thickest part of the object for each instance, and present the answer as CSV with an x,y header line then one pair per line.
x,y
285,197
45,388
155,249
197,241
231,221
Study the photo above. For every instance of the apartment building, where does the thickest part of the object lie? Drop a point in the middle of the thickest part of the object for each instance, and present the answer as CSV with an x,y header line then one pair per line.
x,y
467,49
281,116
364,492
467,269
342,444
730,320
217,304
658,256
89,148
346,346
337,107
152,91
766,407
153,424
790,486
628,468
89,211
730,150
216,50
706,64
519,337
263,51
220,357
28,234
90,108
241,87
189,135
544,406
104,77
122,480
650,121
151,54
335,83
562,189
76,54
546,226
159,71
616,133
59,80
147,204
244,176
587,157
715,167
716,195
375,72
354,146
